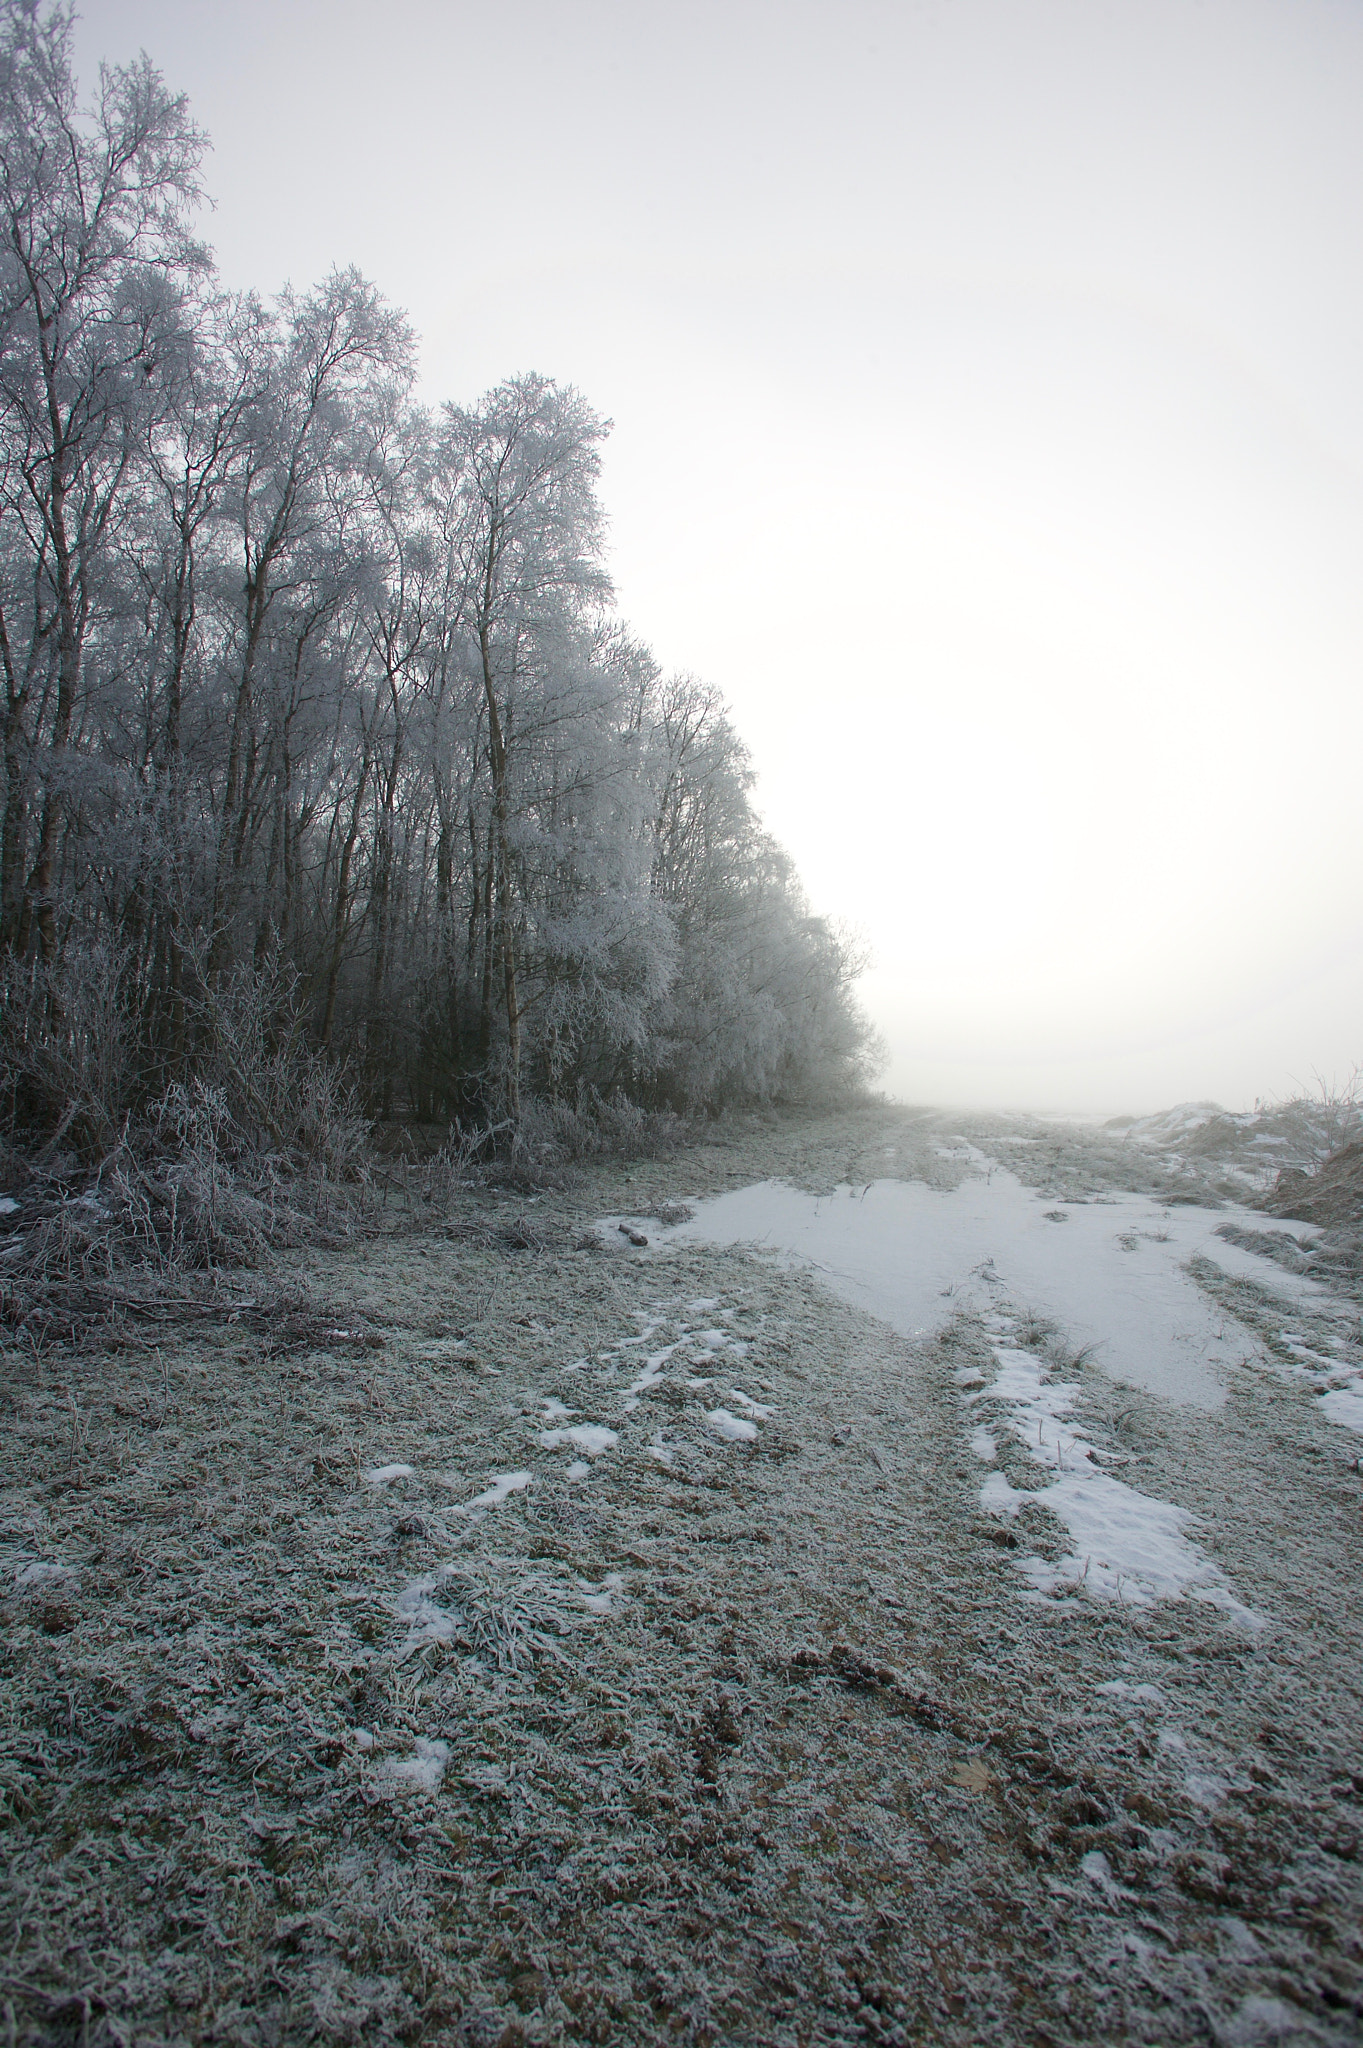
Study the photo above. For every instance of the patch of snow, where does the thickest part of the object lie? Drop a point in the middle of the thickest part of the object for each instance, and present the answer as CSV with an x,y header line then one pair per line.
x,y
588,1437
984,1446
8,1205
598,1598
748,1405
579,1469
1171,1124
1345,1406
426,1621
1128,1546
554,1411
1098,1871
1150,1694
998,1498
1114,1277
1242,1941
649,1377
1262,2023
503,1483
423,1771
651,1325
379,1475
731,1426
40,1573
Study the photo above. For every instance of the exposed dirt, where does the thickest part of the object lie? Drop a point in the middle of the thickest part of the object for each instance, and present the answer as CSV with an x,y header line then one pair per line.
x,y
764,1746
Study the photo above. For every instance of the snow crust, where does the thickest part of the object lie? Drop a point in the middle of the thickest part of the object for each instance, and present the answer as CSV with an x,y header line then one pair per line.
x,y
734,1427
1344,1406
1128,1546
503,1483
1111,1273
588,1437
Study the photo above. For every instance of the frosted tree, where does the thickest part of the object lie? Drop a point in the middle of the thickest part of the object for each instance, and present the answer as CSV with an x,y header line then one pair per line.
x,y
527,542
95,207
318,704
295,509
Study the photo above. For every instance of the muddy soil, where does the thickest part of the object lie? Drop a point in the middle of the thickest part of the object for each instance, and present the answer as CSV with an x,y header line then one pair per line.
x,y
746,1737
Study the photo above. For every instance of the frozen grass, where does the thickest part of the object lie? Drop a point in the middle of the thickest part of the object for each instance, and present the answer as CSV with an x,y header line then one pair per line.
x,y
161,1227
761,1745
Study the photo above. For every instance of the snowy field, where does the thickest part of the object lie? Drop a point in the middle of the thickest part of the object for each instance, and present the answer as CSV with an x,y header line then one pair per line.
x,y
912,1597
1114,1276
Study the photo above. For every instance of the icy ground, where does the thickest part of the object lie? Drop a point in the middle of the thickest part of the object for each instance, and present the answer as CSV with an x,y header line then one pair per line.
x,y
1116,1275
913,1599
1113,1273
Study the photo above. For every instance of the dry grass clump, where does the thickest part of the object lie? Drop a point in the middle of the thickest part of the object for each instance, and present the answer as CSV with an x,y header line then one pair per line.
x,y
174,1133
213,1178
1331,1196
1278,1245
598,1127
85,1066
177,1207
132,1189
1043,1335
1319,1125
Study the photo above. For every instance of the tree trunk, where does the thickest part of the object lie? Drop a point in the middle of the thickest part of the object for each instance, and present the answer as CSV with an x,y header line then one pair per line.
x,y
505,933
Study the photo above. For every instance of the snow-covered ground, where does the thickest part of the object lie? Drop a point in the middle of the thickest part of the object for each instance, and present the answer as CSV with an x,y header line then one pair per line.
x,y
1129,1546
724,1628
1111,1273
1110,1279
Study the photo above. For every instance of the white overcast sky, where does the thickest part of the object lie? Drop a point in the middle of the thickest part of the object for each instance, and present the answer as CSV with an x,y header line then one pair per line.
x,y
987,379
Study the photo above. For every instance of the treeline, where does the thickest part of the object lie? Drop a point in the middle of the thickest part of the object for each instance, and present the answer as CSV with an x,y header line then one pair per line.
x,y
310,688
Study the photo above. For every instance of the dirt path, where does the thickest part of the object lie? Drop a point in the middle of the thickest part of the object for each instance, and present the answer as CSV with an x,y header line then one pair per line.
x,y
734,1731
